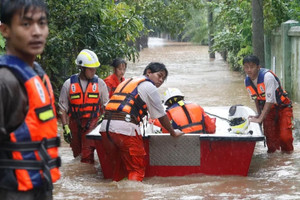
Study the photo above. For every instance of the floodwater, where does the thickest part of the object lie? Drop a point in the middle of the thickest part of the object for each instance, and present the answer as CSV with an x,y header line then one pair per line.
x,y
208,82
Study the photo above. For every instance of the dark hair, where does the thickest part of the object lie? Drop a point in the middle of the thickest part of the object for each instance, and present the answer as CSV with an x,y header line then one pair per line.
x,y
9,7
252,59
156,67
116,62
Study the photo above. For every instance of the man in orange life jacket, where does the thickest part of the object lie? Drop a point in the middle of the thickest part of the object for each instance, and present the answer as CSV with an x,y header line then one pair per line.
x,y
186,116
117,77
29,142
273,105
120,130
83,96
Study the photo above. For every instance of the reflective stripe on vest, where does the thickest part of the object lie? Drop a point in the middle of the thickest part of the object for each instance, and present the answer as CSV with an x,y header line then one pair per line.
x,y
39,127
258,93
126,99
84,105
188,117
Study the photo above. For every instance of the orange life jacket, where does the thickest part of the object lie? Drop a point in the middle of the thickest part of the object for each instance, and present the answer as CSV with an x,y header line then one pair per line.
x,y
84,104
187,117
126,99
33,147
112,82
258,93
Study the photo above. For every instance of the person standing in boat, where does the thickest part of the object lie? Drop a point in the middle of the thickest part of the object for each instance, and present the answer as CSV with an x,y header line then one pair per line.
x,y
29,157
117,77
186,116
273,105
120,129
83,96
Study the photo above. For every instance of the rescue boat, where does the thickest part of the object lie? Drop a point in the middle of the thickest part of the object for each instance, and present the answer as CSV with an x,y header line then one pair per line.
x,y
227,152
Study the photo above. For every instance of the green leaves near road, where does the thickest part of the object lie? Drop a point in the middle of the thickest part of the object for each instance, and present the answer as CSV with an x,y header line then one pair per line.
x,y
112,28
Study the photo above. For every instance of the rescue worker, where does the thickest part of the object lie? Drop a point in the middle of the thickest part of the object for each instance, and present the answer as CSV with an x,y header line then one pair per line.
x,y
273,105
186,116
82,100
120,129
29,160
117,77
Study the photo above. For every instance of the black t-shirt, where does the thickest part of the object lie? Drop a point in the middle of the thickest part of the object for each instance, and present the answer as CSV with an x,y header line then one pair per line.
x,y
13,102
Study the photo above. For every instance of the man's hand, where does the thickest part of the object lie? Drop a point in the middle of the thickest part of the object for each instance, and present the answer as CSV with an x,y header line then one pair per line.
x,y
177,133
67,134
165,122
264,112
255,119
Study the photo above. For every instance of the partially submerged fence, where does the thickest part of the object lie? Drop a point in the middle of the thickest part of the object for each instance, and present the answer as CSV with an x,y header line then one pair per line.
x,y
282,55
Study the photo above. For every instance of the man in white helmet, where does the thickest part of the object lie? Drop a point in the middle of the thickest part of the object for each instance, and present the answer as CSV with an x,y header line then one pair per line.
x,y
81,102
186,116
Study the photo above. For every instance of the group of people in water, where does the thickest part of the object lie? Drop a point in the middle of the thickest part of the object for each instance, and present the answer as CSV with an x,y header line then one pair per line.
x,y
130,100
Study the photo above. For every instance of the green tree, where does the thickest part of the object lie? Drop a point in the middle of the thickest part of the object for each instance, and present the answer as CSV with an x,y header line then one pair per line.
x,y
233,30
2,44
233,25
196,28
275,12
100,25
167,16
294,9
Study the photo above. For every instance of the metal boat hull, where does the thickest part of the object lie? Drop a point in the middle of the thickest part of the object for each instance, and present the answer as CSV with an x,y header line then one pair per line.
x,y
199,154
222,153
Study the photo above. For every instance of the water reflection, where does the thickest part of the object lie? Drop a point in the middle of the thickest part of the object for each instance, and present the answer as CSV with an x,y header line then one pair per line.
x,y
209,83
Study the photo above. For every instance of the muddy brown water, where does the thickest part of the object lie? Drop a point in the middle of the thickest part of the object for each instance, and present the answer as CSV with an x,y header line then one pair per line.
x,y
208,82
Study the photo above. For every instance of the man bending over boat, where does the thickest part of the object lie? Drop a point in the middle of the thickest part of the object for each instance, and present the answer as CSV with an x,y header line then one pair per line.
x,y
120,130
186,116
273,105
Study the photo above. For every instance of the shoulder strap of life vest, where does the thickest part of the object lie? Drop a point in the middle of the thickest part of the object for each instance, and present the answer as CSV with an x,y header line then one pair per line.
x,y
24,72
126,98
190,123
260,79
21,70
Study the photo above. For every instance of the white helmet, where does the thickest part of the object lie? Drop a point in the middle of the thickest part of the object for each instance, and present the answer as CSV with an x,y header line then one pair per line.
x,y
239,125
238,117
170,93
87,58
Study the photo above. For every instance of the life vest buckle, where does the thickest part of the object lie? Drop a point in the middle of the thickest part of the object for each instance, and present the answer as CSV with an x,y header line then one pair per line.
x,y
127,118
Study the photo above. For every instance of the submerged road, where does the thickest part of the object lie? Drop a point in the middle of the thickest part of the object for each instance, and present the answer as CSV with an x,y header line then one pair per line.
x,y
208,82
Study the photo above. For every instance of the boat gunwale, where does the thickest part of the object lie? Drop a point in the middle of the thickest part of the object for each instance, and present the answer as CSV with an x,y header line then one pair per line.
x,y
202,137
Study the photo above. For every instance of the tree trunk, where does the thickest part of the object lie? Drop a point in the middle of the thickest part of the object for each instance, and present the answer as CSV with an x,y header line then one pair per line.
x,y
258,30
210,30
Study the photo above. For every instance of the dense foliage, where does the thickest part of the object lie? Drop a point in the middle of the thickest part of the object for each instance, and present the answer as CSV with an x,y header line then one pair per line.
x,y
112,28
166,16
2,44
233,20
99,25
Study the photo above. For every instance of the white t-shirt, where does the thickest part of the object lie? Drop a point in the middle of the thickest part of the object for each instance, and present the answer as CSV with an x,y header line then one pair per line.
x,y
149,94
63,102
270,85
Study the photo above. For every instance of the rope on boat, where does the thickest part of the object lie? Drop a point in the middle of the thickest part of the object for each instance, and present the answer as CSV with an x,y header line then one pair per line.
x,y
218,117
